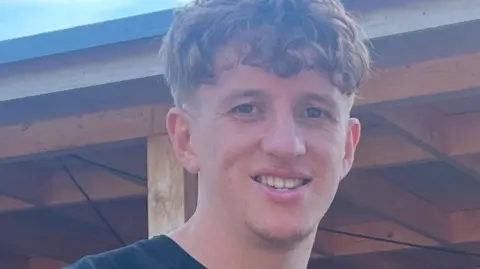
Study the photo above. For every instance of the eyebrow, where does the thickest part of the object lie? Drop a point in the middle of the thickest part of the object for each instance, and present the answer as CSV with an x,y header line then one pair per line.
x,y
324,99
244,93
257,93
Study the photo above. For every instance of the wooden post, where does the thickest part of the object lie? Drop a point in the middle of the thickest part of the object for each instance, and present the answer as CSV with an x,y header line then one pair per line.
x,y
170,199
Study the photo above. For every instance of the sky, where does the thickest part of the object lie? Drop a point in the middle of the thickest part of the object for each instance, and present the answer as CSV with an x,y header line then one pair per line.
x,y
20,18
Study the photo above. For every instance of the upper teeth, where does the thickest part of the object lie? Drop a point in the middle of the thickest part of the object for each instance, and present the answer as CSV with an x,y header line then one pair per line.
x,y
280,183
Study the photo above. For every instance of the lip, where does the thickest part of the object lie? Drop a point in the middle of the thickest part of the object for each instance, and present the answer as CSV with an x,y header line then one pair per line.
x,y
283,196
282,173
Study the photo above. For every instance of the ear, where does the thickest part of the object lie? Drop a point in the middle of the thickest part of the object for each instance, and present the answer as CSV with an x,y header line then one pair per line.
x,y
351,143
178,127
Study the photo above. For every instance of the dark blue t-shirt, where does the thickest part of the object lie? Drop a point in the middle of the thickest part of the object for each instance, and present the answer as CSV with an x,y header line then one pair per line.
x,y
159,252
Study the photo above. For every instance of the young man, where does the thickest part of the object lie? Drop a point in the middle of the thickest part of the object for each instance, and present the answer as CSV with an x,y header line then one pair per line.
x,y
263,91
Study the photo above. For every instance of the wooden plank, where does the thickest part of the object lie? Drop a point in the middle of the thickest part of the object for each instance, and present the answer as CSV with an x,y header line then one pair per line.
x,y
132,229
55,188
422,15
166,187
341,245
465,226
35,182
388,260
396,204
380,147
75,71
453,76
82,130
10,204
454,135
464,229
424,127
460,134
99,185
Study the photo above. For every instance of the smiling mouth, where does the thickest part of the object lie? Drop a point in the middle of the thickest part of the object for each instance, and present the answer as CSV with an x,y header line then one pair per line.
x,y
281,184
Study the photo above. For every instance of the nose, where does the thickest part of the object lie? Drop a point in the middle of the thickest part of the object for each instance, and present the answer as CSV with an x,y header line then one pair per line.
x,y
284,140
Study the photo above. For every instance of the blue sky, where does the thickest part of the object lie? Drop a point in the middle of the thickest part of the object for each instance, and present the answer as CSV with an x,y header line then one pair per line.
x,y
26,17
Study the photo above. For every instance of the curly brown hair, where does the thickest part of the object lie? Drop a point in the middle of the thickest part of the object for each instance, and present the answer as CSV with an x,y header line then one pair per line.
x,y
282,37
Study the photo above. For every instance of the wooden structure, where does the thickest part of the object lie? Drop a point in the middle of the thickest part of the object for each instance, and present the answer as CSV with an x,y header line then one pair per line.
x,y
82,112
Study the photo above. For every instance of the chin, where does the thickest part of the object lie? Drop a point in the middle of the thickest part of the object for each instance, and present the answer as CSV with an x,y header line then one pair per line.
x,y
281,234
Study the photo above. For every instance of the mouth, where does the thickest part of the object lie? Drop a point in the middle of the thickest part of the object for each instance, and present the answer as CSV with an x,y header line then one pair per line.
x,y
281,184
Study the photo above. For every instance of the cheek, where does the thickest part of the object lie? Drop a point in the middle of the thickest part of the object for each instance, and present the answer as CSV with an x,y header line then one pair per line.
x,y
237,144
223,152
326,156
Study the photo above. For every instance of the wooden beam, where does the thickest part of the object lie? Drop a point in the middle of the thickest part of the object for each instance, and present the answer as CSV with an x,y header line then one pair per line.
x,y
388,260
8,204
131,160
60,190
131,229
55,189
422,15
425,128
396,204
464,228
439,78
99,185
342,245
381,147
58,193
84,130
460,134
166,187
77,70
35,182
405,218
416,134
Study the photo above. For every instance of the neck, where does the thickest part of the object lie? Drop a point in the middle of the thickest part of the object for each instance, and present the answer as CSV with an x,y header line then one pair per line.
x,y
218,245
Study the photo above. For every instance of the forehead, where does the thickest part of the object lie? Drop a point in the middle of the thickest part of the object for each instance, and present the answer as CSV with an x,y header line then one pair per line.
x,y
242,81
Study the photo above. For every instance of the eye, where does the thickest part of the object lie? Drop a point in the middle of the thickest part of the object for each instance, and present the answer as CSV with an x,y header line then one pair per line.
x,y
244,109
247,112
313,112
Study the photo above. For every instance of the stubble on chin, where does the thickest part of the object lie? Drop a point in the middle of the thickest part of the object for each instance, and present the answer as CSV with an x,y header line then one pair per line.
x,y
270,239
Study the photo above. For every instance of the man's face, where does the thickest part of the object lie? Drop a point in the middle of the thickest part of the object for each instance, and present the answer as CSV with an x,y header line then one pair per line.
x,y
270,152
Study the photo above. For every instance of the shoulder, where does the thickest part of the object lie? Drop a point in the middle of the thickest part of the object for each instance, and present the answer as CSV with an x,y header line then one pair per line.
x,y
141,254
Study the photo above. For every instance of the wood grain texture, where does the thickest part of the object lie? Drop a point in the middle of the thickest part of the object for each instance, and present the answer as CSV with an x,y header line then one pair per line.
x,y
166,187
